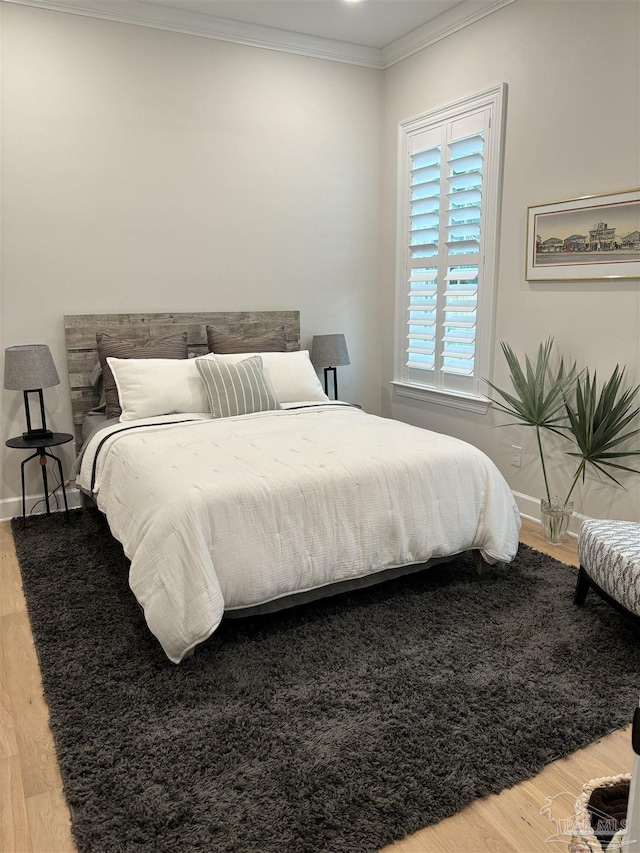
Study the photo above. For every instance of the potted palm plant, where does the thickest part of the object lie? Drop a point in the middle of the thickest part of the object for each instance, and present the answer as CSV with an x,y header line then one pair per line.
x,y
598,421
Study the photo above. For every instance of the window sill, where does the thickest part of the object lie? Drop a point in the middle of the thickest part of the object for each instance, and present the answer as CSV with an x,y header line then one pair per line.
x,y
468,402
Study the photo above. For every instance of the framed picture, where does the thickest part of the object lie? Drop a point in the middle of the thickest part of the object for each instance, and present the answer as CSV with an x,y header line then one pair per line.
x,y
585,238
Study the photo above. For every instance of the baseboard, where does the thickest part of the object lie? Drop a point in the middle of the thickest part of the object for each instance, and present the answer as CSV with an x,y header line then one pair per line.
x,y
12,507
530,508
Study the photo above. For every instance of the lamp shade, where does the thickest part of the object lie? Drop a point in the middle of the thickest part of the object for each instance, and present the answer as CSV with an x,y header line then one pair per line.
x,y
29,367
329,351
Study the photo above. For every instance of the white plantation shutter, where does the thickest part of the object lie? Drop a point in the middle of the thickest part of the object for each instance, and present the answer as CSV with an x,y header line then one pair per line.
x,y
424,233
465,165
447,231
421,324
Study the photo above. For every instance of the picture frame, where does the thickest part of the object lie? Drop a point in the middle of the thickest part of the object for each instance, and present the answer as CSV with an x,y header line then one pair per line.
x,y
592,237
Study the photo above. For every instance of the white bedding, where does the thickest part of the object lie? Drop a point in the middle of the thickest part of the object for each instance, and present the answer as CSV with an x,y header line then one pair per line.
x,y
223,514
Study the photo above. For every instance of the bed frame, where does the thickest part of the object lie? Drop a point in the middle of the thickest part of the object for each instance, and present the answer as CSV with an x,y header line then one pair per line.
x,y
80,338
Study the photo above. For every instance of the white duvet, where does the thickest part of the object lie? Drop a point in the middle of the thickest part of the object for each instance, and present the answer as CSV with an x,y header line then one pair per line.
x,y
224,514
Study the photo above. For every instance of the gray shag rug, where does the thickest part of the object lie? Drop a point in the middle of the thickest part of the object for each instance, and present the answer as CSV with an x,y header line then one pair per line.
x,y
334,727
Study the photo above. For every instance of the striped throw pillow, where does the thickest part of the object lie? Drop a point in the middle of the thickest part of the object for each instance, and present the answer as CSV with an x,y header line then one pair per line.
x,y
236,389
173,346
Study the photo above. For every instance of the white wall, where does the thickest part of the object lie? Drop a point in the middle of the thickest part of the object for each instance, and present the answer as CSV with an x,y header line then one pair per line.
x,y
144,170
573,125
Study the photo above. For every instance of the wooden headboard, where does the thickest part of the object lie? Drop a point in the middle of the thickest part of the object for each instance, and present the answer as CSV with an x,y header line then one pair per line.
x,y
80,337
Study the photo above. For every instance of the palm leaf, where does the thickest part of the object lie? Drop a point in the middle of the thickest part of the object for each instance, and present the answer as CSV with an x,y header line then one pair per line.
x,y
598,422
538,395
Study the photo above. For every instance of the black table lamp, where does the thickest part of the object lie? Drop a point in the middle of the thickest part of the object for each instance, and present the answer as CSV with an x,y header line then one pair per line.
x,y
29,369
329,352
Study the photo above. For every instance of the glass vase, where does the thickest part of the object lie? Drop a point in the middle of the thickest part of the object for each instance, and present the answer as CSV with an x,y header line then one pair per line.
x,y
555,520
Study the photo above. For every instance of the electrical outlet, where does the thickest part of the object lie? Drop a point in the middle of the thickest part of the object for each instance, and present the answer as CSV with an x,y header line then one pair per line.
x,y
516,455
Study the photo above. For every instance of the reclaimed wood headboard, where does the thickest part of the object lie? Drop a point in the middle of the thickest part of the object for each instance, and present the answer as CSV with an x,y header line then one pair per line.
x,y
80,337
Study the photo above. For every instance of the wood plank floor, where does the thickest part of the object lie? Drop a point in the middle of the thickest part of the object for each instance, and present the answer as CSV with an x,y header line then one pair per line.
x,y
34,817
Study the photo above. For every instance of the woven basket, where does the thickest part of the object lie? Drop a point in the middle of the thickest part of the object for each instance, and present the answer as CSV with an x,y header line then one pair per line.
x,y
583,840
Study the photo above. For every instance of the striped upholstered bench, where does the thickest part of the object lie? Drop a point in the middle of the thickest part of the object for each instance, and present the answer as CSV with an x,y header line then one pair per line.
x,y
609,553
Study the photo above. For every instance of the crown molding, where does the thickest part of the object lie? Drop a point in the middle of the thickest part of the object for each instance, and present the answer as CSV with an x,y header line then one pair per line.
x,y
461,16
149,14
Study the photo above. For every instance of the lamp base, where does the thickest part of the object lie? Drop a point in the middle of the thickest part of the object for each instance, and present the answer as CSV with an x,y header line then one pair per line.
x,y
327,370
35,434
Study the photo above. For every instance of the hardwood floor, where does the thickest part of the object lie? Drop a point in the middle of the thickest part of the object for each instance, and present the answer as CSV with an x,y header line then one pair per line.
x,y
34,817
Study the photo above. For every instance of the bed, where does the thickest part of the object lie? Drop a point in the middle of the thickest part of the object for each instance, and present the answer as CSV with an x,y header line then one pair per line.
x,y
244,513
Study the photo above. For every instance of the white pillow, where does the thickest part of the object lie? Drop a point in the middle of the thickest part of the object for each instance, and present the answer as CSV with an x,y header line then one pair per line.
x,y
158,386
291,375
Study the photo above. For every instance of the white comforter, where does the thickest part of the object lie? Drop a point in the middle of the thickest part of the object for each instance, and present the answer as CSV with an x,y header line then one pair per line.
x,y
223,514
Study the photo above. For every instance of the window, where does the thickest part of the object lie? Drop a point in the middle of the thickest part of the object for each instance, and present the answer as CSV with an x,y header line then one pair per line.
x,y
448,202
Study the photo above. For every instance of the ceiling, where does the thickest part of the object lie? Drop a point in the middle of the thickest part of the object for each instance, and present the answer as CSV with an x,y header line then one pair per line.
x,y
374,23
375,33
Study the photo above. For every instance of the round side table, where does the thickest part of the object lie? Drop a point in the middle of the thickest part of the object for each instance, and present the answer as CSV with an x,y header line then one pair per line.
x,y
40,446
